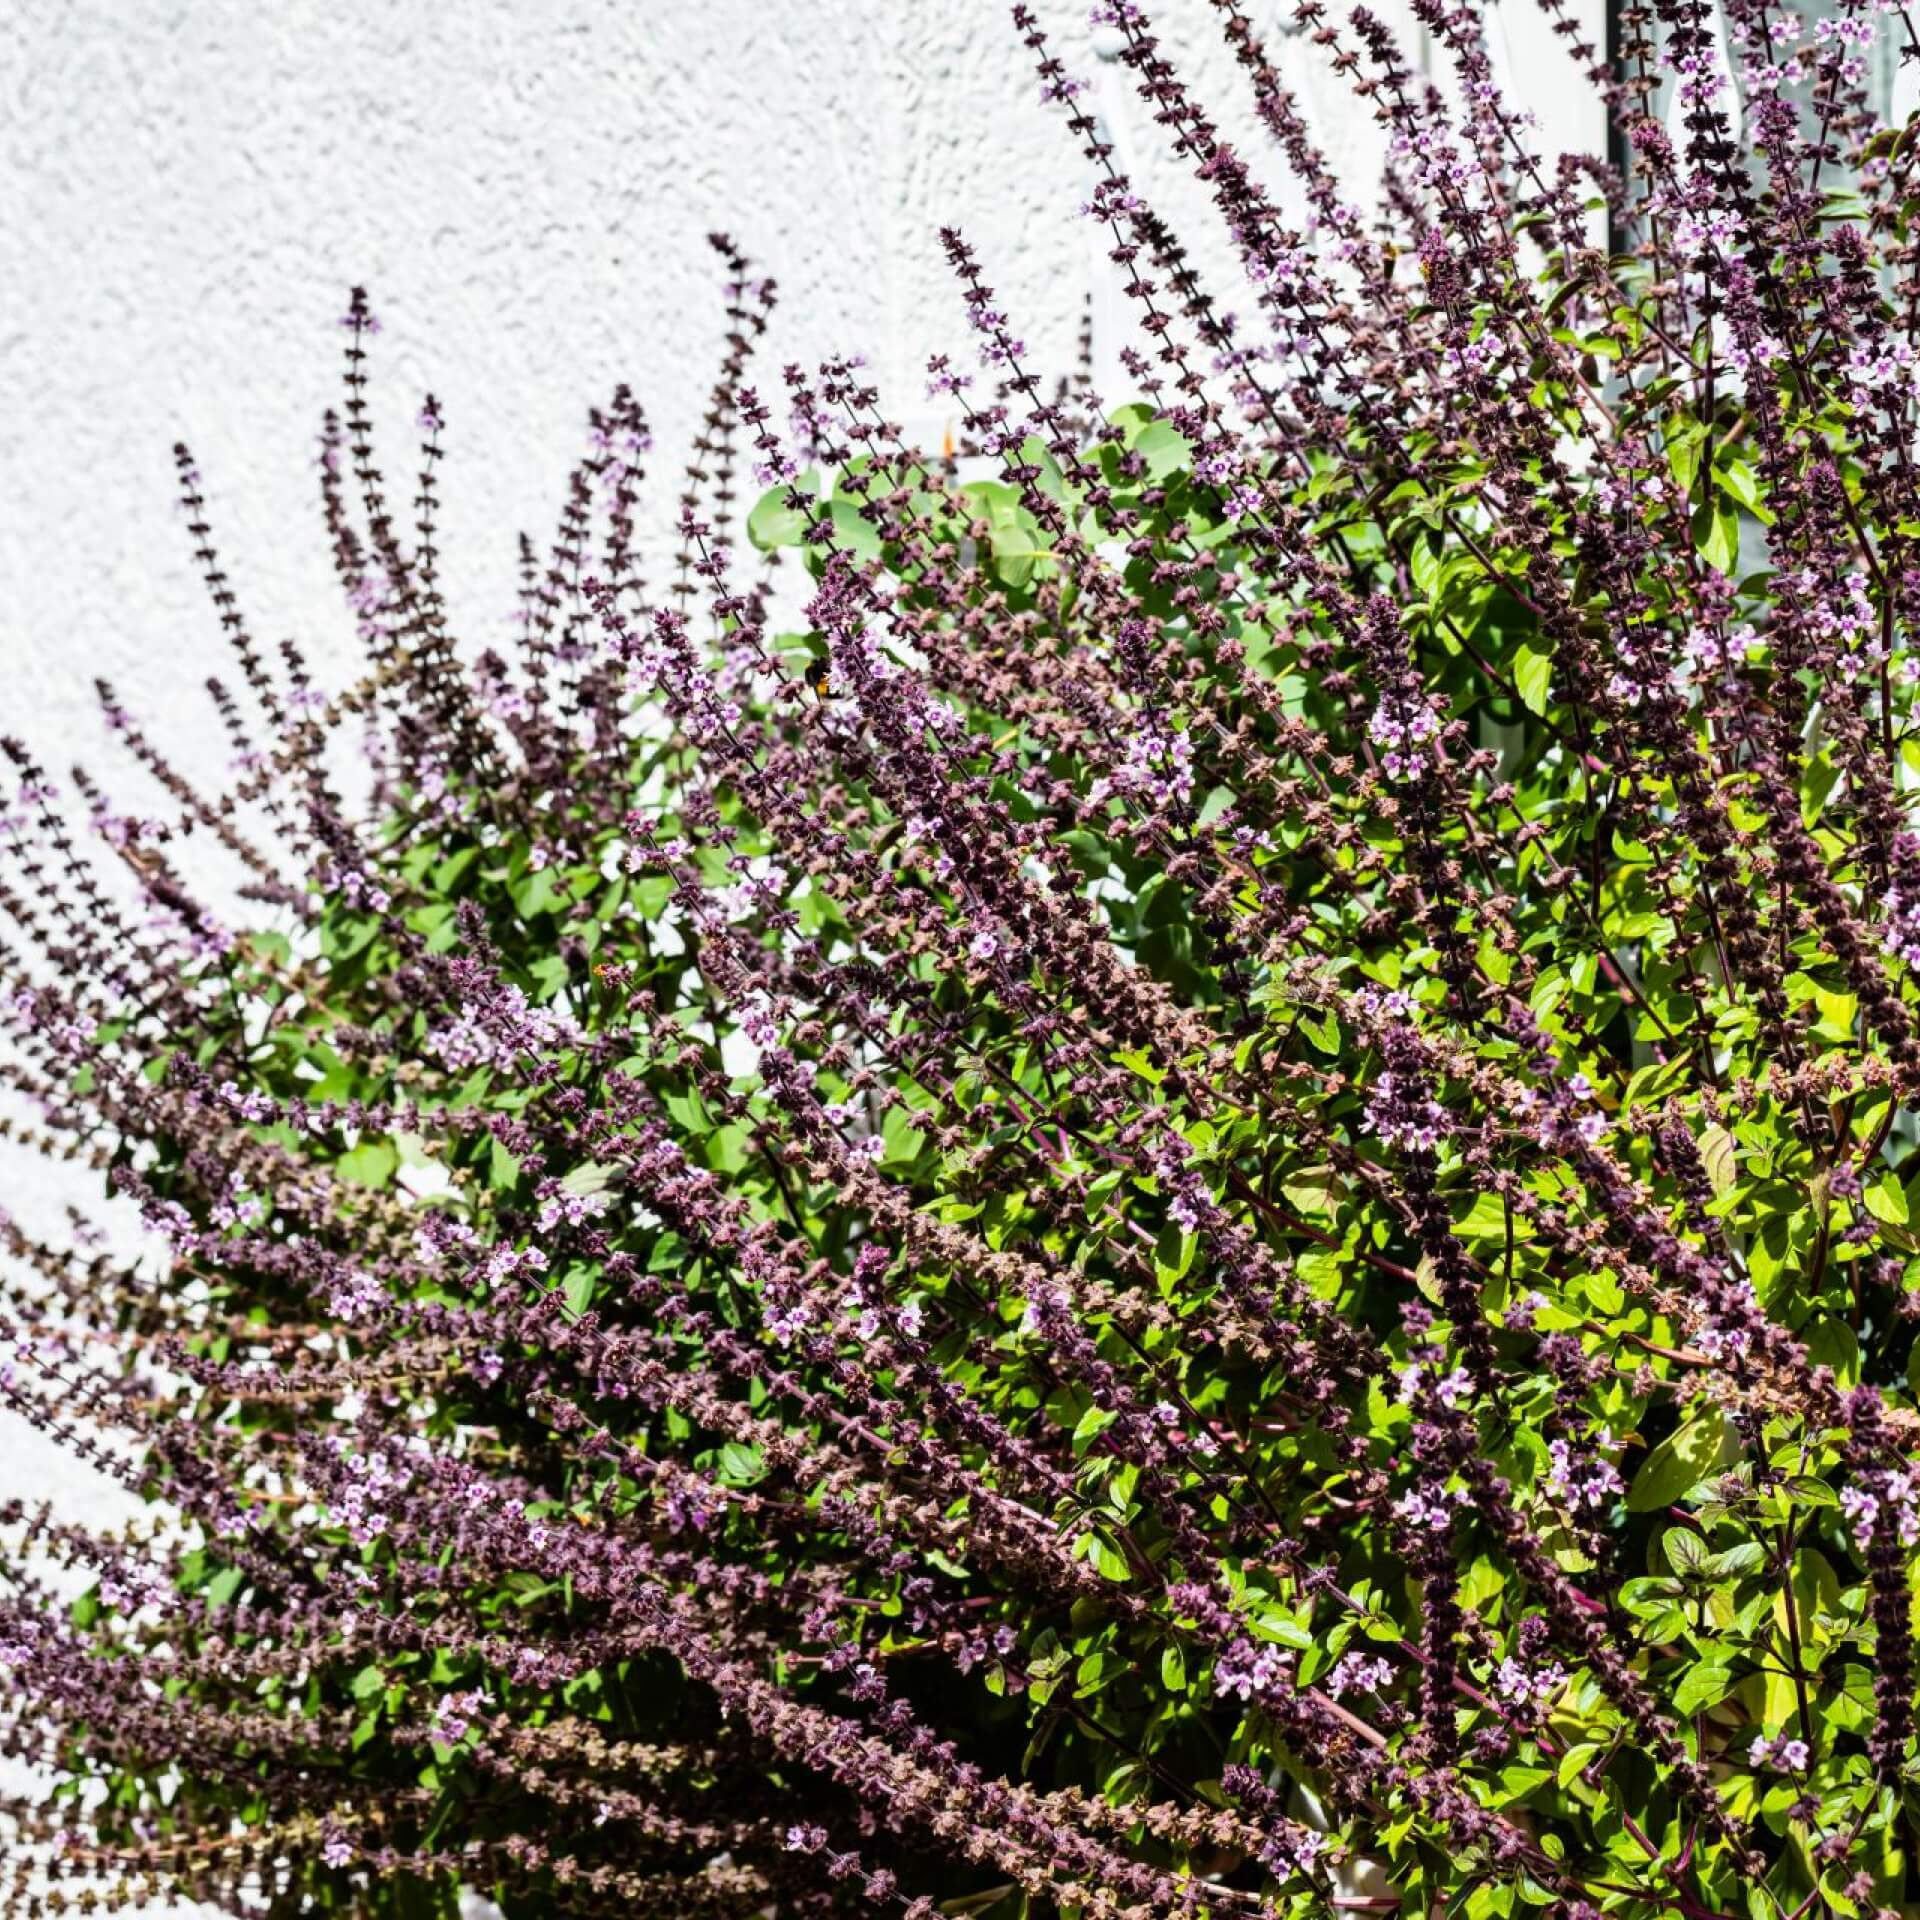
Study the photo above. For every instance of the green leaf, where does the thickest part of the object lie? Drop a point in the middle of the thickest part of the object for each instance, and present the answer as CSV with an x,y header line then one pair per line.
x,y
1823,774
1323,1029
1716,532
902,1139
1281,1627
727,1148
1679,1463
773,523
1887,1200
1533,678
370,1164
1705,1684
1095,1670
1164,451
1737,479
1832,1343
1092,1423
1314,1190
1720,1156
578,1288
1654,1082
1015,549
1486,1219
1686,440
857,534
1685,1551
537,892
1173,1253
1816,1596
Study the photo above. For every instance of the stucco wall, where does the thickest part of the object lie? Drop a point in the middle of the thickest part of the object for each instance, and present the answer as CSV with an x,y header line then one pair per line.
x,y
524,185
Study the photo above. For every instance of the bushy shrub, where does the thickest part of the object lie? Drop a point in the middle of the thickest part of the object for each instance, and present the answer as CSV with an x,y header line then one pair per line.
x,y
1197,1203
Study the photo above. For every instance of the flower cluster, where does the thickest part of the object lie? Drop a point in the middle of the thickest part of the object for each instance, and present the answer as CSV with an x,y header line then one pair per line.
x,y
1171,1185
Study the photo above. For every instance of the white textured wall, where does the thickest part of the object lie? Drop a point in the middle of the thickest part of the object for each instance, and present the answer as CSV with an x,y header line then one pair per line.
x,y
191,185
525,186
